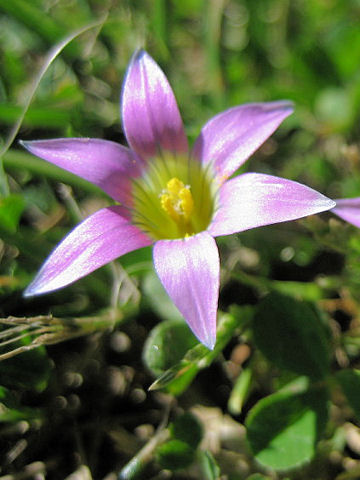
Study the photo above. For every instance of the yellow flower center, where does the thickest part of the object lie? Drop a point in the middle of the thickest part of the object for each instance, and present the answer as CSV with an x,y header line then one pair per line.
x,y
175,198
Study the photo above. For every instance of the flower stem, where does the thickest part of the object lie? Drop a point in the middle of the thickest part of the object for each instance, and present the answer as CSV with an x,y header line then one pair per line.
x,y
138,463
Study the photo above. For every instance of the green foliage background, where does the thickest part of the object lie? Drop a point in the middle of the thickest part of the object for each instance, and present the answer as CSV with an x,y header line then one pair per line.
x,y
131,394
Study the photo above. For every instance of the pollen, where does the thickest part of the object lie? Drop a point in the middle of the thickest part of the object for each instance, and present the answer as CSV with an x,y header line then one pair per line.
x,y
177,201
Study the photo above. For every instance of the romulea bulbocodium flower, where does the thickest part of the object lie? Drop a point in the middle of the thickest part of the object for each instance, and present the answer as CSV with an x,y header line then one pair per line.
x,y
169,196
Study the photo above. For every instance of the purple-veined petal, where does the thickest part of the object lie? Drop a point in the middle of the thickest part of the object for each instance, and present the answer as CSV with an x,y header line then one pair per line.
x,y
349,210
107,164
189,269
228,139
150,114
99,239
254,199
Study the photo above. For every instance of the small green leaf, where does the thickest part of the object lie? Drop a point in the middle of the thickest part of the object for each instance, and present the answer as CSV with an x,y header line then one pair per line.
x,y
283,428
349,381
178,378
175,455
187,428
11,410
209,467
11,208
292,336
166,345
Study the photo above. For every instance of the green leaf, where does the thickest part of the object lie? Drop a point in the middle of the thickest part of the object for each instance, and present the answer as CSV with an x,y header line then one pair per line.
x,y
349,381
11,208
138,262
37,20
175,455
209,467
283,428
47,117
187,428
29,370
11,410
176,379
166,345
292,336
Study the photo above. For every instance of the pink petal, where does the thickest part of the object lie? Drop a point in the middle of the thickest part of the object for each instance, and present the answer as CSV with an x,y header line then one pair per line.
x,y
107,164
99,239
253,200
151,117
231,137
189,270
348,209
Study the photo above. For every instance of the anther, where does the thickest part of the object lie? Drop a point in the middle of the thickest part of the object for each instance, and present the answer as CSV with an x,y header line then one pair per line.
x,y
177,201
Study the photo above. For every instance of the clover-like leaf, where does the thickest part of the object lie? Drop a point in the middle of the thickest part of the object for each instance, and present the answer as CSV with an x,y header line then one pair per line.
x,y
292,336
349,381
175,455
166,345
283,428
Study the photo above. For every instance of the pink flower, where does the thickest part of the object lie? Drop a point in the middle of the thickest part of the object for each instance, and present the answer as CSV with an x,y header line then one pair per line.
x,y
349,210
176,199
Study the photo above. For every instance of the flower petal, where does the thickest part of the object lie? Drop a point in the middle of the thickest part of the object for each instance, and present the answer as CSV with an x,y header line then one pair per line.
x,y
107,164
254,199
231,137
150,114
348,209
189,270
99,239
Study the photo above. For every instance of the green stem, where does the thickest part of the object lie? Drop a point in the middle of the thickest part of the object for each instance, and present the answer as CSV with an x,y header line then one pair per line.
x,y
306,290
4,185
47,330
160,23
240,392
144,456
213,17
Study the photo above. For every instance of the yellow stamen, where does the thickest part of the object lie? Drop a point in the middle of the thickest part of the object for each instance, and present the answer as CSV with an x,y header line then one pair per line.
x,y
177,201
175,198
